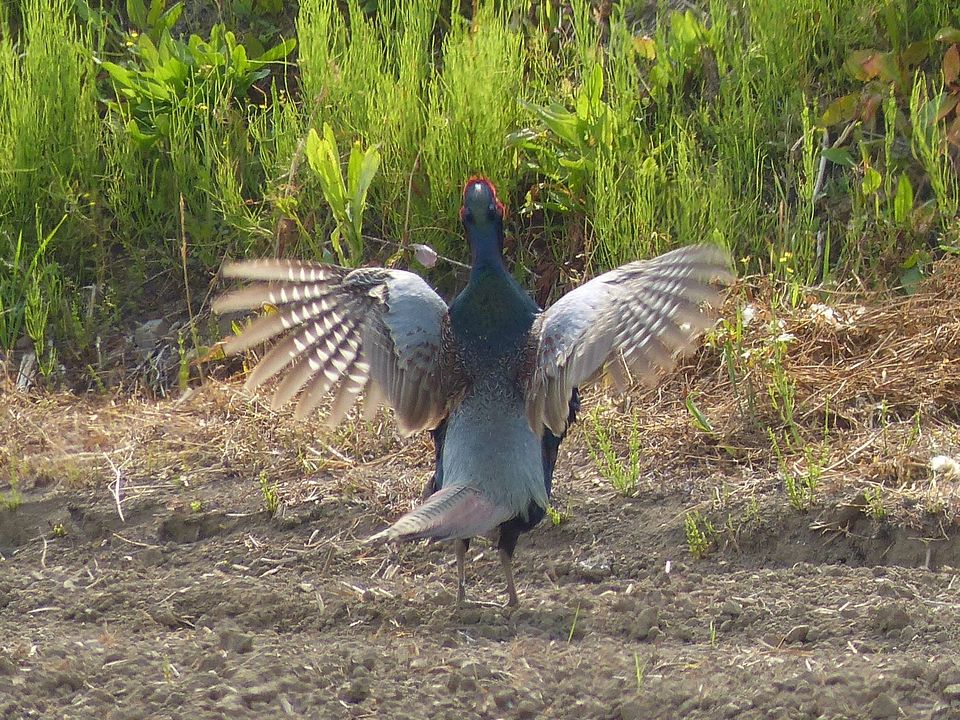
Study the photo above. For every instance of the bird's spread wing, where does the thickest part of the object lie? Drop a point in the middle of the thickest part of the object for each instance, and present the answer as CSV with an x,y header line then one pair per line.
x,y
371,330
627,323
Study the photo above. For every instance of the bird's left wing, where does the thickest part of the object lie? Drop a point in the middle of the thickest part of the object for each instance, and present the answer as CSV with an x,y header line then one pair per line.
x,y
627,323
372,330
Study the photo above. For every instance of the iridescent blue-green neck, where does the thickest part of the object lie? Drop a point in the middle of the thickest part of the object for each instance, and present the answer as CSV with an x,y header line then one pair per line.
x,y
486,248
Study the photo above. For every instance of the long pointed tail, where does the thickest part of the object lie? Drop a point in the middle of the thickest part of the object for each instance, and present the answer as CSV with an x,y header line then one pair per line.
x,y
451,512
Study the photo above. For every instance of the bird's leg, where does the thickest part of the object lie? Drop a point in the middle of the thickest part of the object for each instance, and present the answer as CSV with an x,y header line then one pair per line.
x,y
506,560
507,544
462,546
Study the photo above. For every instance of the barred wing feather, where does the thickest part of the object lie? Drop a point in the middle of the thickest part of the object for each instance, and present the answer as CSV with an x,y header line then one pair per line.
x,y
627,324
372,330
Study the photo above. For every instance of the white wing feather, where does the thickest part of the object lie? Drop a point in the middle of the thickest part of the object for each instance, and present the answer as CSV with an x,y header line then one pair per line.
x,y
628,324
374,331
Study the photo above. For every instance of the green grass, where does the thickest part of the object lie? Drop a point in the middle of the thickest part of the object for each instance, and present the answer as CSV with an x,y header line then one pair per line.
x,y
623,472
606,145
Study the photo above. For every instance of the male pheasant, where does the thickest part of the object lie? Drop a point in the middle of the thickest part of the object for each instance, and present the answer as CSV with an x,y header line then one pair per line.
x,y
494,377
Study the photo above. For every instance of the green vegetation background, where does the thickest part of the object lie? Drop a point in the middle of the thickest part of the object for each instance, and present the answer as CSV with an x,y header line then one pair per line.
x,y
817,139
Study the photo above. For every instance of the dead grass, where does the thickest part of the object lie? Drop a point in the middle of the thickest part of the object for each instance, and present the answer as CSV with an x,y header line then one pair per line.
x,y
876,383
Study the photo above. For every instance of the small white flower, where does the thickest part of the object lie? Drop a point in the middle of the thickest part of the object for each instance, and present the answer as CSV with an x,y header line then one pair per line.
x,y
424,254
824,314
945,465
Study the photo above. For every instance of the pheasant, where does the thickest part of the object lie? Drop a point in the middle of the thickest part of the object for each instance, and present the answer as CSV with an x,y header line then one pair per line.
x,y
492,376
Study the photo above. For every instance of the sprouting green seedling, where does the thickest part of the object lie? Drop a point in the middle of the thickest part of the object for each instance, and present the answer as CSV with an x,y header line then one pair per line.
x,y
623,473
641,670
558,517
713,633
700,420
874,499
196,506
268,490
13,499
700,533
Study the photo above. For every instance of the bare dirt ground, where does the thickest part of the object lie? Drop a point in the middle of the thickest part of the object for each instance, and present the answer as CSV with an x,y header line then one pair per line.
x,y
142,576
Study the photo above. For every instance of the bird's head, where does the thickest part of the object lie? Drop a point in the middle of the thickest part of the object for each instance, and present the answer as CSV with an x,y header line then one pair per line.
x,y
482,216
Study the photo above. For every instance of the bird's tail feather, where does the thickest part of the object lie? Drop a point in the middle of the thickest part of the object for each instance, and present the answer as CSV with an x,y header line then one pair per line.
x,y
451,512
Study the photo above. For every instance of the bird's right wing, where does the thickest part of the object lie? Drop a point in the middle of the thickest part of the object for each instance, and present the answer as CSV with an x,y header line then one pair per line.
x,y
627,323
374,330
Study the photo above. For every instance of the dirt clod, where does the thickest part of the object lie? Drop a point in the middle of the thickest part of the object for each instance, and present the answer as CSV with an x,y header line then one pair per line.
x,y
233,640
797,634
891,617
884,707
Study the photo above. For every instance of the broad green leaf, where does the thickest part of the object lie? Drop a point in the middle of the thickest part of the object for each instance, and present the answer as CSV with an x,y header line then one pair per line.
x,y
893,23
278,52
148,51
560,121
686,28
839,156
171,16
324,159
335,241
156,9
137,12
238,57
915,53
524,138
886,67
353,172
143,139
371,163
645,46
948,35
903,201
913,268
119,74
843,109
590,97
855,62
872,180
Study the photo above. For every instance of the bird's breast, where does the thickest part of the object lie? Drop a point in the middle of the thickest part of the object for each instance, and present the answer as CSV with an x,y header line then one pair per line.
x,y
489,446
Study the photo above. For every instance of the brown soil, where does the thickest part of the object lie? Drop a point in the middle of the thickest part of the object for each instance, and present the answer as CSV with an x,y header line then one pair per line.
x,y
197,603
